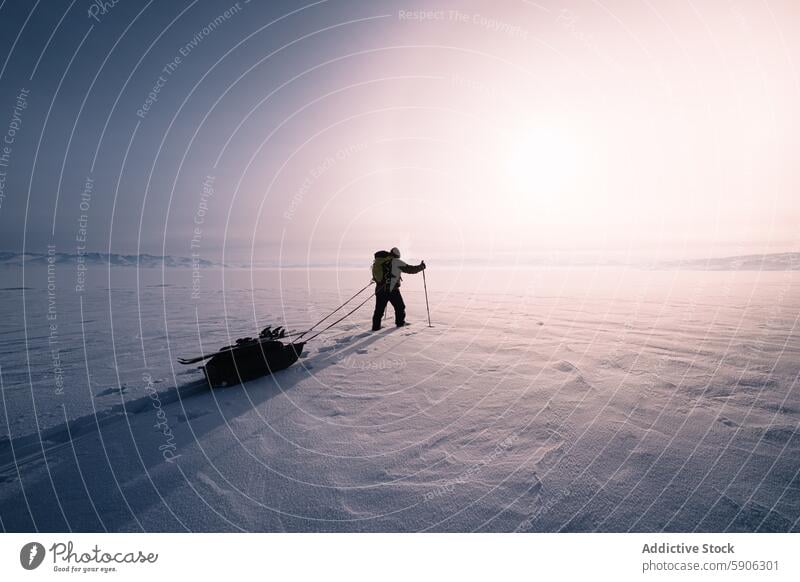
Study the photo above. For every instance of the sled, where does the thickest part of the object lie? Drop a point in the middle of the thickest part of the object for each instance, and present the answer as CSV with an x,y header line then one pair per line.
x,y
249,358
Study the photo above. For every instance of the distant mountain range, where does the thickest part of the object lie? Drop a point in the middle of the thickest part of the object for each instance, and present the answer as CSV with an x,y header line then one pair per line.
x,y
144,260
765,262
768,262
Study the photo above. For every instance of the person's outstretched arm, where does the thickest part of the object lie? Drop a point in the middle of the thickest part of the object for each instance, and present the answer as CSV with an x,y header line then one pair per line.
x,y
412,269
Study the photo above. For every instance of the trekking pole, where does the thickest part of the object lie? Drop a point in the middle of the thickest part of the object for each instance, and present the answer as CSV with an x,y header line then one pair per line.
x,y
427,306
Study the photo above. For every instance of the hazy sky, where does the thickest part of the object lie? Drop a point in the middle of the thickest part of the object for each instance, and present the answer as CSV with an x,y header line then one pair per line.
x,y
296,132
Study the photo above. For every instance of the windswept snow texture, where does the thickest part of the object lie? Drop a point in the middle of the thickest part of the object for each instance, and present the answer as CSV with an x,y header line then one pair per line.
x,y
541,400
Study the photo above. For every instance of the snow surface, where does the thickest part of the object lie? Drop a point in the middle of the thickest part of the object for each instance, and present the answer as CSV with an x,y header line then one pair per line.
x,y
598,399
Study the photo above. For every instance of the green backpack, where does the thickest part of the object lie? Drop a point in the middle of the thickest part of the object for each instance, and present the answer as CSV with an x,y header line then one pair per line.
x,y
382,267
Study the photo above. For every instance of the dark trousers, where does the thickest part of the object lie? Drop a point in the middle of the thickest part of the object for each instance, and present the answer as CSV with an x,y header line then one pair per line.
x,y
382,297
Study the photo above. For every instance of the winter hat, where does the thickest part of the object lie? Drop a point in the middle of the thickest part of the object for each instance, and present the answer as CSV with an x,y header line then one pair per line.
x,y
396,252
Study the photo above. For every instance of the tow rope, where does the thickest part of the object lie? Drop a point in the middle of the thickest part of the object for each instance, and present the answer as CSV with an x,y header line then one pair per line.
x,y
364,288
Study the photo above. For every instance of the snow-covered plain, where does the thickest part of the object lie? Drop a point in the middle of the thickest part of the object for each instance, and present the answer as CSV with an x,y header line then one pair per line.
x,y
604,399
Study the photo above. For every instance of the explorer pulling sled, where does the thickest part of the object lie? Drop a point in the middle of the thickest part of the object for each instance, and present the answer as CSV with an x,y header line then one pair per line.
x,y
251,358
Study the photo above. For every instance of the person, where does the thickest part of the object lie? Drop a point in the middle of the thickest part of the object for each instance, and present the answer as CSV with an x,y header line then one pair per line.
x,y
387,289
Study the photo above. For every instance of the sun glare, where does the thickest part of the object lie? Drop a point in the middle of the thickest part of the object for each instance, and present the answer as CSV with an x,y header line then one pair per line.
x,y
540,161
539,167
